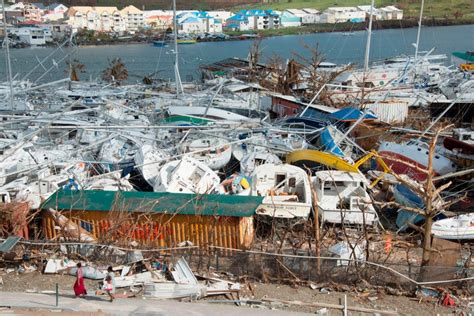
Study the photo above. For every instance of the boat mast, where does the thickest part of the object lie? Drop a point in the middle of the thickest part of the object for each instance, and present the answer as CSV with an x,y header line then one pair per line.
x,y
177,78
369,36
6,41
419,29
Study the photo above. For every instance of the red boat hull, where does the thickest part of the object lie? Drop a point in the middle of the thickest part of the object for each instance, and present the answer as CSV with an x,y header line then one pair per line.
x,y
401,164
458,145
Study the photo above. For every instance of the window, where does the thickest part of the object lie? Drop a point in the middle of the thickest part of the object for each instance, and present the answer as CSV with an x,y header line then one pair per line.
x,y
280,178
292,182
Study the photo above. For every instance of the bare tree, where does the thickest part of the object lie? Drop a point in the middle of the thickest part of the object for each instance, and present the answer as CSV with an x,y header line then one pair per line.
x,y
116,72
317,79
75,68
430,194
254,58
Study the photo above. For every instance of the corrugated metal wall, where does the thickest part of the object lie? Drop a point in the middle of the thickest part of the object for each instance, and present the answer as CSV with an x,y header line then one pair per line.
x,y
159,230
390,112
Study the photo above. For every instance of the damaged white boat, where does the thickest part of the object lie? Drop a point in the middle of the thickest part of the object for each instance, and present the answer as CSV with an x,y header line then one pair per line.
x,y
187,175
342,198
286,190
149,161
214,152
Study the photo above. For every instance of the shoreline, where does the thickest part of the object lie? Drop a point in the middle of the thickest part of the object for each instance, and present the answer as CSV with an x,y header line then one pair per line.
x,y
303,30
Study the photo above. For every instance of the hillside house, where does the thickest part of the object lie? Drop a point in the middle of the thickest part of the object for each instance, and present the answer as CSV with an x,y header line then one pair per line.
x,y
391,13
288,19
342,15
238,22
132,18
101,19
307,16
158,19
54,12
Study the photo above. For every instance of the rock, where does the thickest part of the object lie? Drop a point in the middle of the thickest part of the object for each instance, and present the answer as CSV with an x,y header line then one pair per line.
x,y
324,290
391,291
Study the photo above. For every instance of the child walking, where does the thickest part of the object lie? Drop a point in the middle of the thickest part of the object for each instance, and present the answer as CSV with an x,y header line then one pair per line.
x,y
109,288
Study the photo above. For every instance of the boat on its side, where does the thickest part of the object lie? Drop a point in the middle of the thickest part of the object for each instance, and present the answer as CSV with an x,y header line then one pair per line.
x,y
214,152
148,161
187,175
408,158
455,228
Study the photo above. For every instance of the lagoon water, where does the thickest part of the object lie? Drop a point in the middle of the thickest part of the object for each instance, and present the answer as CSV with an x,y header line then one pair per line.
x,y
145,59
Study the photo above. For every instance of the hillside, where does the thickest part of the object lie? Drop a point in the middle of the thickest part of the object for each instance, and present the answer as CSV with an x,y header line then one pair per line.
x,y
163,4
435,8
452,9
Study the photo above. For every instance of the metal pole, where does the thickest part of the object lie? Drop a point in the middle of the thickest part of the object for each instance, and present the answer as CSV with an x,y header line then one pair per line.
x,y
369,36
8,60
419,29
313,99
176,61
57,295
345,305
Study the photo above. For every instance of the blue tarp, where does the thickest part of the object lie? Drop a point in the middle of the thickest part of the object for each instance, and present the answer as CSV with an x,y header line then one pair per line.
x,y
351,114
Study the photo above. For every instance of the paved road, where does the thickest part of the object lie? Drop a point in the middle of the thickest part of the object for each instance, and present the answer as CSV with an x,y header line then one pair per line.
x,y
128,306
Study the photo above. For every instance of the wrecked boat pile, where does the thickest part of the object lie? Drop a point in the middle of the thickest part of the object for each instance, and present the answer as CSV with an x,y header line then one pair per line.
x,y
230,167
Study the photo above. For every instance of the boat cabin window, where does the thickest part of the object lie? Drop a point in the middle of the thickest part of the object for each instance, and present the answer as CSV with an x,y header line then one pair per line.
x,y
365,84
197,175
336,186
467,137
280,178
292,182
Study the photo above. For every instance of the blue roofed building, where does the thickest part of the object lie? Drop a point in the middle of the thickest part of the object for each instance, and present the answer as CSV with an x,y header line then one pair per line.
x,y
238,22
198,22
261,19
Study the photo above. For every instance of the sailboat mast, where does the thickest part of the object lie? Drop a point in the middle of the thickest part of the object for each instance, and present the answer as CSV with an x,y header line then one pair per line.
x,y
176,61
8,59
419,29
369,36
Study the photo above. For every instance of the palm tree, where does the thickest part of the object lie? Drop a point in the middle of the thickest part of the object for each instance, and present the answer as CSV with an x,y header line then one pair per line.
x,y
116,72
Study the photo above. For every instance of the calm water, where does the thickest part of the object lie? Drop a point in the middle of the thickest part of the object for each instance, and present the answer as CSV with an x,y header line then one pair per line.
x,y
143,59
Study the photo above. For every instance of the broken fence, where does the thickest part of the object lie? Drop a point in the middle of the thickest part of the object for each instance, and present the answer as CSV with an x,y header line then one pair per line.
x,y
290,268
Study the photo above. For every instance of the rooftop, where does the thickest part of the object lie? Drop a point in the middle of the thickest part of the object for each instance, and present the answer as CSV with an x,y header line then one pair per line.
x,y
162,202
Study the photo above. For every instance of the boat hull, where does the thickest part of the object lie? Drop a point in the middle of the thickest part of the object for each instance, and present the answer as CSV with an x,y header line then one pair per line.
x,y
455,228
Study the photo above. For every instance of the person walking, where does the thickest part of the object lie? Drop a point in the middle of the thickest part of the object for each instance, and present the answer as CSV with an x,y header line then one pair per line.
x,y
79,286
108,288
109,284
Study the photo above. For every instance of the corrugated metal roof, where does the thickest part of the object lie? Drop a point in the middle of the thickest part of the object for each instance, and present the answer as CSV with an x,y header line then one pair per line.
x,y
9,243
157,202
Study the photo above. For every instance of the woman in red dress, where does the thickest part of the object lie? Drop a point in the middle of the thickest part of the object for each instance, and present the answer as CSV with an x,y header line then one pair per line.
x,y
79,286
